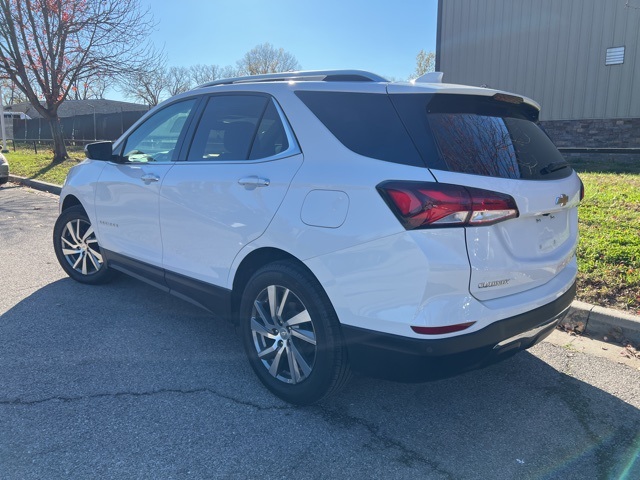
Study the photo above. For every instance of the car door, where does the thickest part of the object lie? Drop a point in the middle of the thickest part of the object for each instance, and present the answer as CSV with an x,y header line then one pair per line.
x,y
234,176
127,192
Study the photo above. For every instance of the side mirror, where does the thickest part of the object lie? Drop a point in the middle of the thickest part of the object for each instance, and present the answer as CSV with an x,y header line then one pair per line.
x,y
99,151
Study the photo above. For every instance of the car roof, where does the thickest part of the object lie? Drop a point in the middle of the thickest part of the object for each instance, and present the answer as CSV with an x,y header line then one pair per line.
x,y
303,75
351,81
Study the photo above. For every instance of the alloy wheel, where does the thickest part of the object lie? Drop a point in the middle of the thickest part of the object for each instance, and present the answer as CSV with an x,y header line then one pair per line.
x,y
80,247
283,334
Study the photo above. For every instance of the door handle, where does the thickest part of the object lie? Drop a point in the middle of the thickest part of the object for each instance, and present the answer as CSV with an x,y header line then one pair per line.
x,y
149,177
253,182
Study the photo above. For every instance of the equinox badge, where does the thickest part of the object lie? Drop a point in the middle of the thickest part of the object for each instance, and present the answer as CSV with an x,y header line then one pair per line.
x,y
496,283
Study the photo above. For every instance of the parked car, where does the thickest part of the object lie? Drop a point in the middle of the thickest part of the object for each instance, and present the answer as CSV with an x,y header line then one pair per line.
x,y
4,169
407,230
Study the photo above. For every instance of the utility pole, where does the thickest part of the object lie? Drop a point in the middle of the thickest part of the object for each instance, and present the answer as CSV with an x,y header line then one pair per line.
x,y
94,121
4,134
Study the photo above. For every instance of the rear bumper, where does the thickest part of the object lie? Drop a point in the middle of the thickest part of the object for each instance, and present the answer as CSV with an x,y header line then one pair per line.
x,y
410,359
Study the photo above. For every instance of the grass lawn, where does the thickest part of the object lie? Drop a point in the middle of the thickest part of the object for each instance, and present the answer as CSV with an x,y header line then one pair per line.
x,y
26,163
609,249
609,222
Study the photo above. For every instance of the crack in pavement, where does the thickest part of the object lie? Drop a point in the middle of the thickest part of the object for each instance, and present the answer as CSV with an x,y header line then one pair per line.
x,y
21,402
407,456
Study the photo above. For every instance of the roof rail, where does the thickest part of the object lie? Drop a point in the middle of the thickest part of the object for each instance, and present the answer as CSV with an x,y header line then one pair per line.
x,y
306,75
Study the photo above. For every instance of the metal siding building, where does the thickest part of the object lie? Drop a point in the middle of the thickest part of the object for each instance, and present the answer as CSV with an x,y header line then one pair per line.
x,y
552,51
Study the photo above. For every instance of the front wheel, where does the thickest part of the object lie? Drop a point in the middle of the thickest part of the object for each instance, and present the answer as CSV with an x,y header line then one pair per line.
x,y
77,249
291,334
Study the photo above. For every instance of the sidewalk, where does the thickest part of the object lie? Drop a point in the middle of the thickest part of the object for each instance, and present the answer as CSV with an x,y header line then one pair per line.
x,y
597,322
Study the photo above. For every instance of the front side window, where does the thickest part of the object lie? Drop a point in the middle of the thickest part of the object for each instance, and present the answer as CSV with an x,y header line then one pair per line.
x,y
155,140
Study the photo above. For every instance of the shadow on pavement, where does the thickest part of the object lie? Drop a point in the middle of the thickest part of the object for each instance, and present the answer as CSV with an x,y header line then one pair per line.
x,y
123,380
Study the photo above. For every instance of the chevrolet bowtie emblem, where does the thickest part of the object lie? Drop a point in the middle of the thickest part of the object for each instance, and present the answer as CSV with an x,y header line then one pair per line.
x,y
562,200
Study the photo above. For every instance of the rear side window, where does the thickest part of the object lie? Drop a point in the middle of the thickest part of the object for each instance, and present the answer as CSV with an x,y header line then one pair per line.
x,y
365,123
480,136
271,138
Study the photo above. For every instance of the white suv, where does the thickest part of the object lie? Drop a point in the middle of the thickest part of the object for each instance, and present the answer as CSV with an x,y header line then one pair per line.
x,y
409,230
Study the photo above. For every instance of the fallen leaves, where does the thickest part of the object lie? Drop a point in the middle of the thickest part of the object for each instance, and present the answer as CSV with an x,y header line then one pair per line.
x,y
572,327
630,351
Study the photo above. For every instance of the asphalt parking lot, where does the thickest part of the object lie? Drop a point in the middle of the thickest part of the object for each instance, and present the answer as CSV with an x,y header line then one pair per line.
x,y
123,381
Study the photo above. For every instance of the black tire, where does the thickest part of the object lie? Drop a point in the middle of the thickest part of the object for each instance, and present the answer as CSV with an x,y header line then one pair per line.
x,y
77,248
303,358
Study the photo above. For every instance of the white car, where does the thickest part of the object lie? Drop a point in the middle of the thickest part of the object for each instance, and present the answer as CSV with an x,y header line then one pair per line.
x,y
4,169
408,230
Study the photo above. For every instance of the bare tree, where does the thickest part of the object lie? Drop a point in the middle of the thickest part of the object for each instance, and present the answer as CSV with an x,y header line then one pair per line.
x,y
11,93
47,46
201,74
178,80
229,72
425,62
158,81
147,86
88,88
265,58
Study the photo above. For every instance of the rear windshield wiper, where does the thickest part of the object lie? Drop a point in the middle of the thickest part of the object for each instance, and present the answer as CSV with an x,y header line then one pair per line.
x,y
553,167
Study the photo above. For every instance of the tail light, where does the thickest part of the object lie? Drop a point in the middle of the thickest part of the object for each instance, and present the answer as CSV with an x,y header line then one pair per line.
x,y
581,190
439,205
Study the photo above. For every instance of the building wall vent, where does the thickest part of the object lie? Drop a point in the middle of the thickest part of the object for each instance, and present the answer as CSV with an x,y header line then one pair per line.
x,y
615,56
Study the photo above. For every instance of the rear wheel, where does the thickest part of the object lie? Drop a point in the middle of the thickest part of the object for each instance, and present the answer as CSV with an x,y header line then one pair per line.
x,y
77,248
292,335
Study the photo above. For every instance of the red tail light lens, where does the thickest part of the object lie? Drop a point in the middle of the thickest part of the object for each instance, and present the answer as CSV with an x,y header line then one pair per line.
x,y
438,205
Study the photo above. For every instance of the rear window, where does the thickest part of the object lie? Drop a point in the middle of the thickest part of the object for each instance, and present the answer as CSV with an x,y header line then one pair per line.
x,y
480,136
460,133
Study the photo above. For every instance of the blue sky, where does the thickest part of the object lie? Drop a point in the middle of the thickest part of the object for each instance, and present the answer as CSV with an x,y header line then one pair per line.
x,y
381,36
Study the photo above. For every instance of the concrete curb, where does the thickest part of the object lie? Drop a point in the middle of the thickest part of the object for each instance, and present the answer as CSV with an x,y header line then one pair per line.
x,y
582,317
36,184
602,322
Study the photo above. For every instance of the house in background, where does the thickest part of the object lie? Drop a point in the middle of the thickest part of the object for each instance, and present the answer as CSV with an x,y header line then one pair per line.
x,y
70,108
579,59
